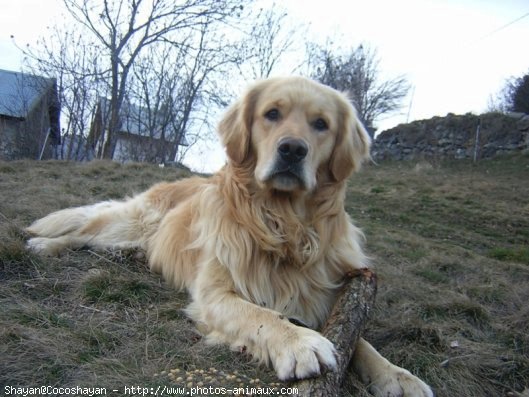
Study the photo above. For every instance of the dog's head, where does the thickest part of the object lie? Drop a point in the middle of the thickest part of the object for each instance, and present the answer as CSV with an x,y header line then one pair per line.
x,y
294,133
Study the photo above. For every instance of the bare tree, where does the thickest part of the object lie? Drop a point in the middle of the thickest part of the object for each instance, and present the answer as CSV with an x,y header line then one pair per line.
x,y
358,74
173,47
125,28
513,97
67,56
520,99
177,84
267,43
153,86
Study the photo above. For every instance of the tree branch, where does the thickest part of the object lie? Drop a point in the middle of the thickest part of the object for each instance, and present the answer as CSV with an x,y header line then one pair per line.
x,y
343,328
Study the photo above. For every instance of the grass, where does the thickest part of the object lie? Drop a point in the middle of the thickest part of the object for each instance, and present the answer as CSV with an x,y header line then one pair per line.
x,y
448,241
520,255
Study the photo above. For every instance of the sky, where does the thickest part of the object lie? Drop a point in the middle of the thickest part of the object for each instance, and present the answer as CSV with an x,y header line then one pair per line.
x,y
454,53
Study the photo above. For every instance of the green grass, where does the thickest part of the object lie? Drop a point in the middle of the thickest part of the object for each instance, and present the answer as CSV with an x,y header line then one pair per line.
x,y
520,254
448,242
107,288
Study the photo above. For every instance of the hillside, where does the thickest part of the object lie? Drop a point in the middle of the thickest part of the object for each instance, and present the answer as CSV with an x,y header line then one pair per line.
x,y
455,137
449,242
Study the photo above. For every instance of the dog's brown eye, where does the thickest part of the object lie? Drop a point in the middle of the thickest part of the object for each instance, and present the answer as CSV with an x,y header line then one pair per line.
x,y
320,125
272,115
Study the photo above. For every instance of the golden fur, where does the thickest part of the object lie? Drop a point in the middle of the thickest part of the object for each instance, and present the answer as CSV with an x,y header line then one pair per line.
x,y
264,240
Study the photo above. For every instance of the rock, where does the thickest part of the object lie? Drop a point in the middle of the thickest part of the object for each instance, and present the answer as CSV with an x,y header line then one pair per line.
x,y
454,136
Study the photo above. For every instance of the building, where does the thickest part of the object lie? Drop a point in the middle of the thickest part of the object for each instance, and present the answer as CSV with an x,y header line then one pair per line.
x,y
29,116
142,135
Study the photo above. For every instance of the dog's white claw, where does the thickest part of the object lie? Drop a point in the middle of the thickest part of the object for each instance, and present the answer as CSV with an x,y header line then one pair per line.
x,y
398,382
304,356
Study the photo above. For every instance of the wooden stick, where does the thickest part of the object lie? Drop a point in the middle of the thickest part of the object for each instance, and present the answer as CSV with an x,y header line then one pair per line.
x,y
343,328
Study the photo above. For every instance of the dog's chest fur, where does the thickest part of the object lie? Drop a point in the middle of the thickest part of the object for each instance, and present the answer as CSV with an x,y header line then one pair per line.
x,y
282,264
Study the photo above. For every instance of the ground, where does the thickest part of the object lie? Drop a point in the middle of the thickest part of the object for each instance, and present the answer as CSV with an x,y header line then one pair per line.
x,y
449,241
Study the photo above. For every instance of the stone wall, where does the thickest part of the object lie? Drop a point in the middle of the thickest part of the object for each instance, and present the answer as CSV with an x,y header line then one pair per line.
x,y
454,136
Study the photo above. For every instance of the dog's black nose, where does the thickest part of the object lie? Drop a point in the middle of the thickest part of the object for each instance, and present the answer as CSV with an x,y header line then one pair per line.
x,y
292,150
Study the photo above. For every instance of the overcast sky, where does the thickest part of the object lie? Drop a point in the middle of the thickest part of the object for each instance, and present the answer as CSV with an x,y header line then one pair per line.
x,y
455,53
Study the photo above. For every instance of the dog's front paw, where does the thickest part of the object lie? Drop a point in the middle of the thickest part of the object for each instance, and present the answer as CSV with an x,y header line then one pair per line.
x,y
302,354
398,382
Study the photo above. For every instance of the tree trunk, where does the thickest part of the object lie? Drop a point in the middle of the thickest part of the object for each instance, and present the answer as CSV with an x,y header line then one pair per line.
x,y
343,328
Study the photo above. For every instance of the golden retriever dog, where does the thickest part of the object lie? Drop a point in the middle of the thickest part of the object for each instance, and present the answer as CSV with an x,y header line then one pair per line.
x,y
264,240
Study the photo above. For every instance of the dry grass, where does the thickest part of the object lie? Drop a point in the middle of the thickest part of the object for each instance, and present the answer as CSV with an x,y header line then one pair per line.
x,y
449,241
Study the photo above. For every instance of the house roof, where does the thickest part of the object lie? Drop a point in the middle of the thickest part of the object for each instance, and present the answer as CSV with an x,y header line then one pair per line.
x,y
19,92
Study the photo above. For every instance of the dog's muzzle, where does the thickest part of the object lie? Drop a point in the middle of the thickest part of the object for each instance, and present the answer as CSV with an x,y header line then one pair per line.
x,y
288,173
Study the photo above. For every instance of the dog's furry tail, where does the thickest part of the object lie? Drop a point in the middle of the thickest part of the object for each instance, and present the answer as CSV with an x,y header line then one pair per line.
x,y
66,221
110,224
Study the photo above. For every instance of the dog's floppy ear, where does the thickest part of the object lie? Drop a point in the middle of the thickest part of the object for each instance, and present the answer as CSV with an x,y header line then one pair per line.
x,y
235,127
352,144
